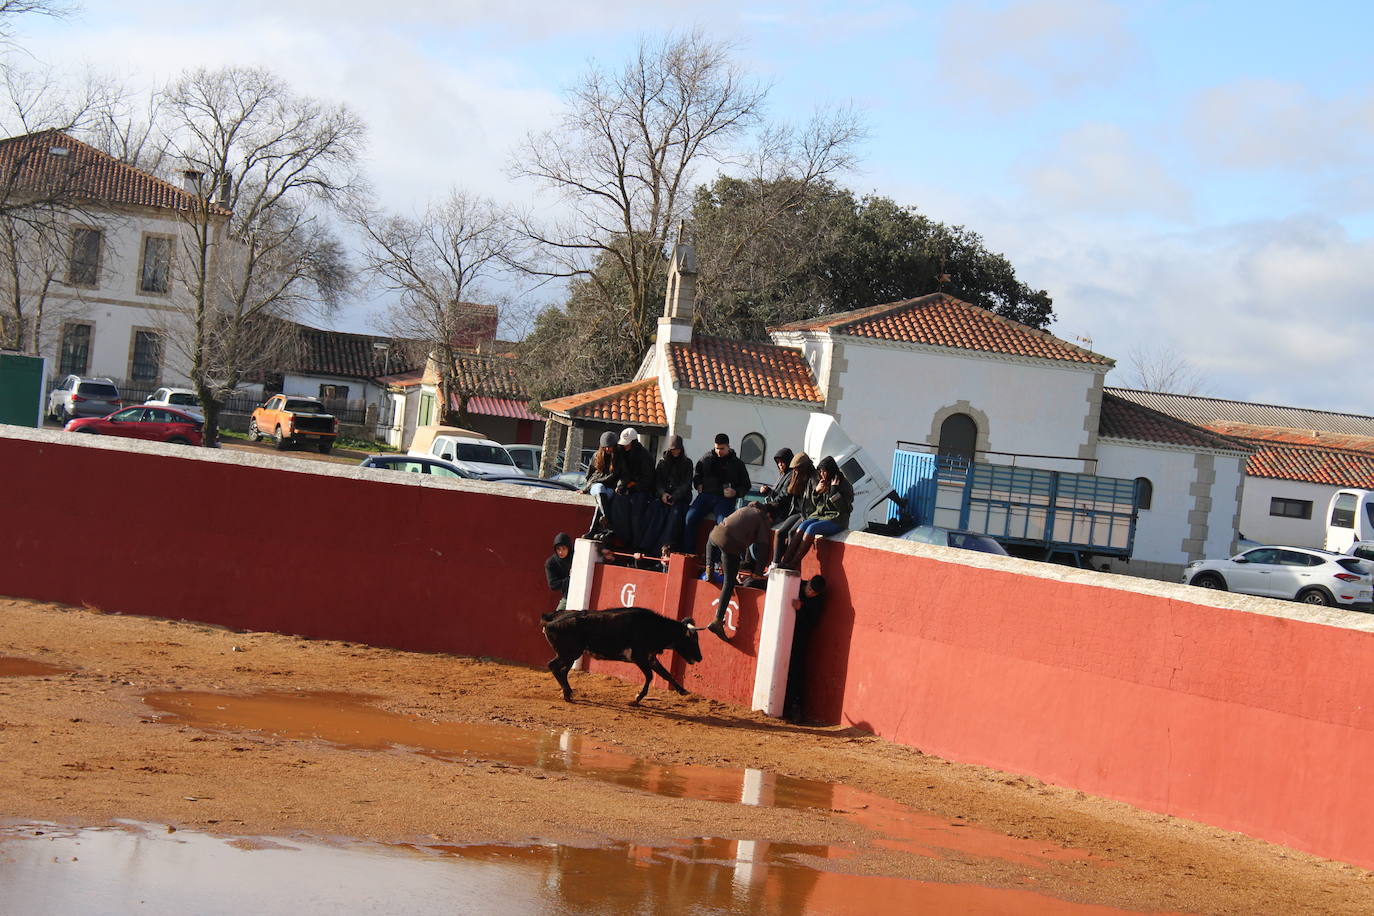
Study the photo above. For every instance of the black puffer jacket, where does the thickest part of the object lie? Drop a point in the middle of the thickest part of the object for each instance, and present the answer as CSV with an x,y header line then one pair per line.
x,y
714,473
674,477
634,468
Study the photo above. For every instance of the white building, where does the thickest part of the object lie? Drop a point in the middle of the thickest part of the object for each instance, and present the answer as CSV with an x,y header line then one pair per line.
x,y
936,373
96,253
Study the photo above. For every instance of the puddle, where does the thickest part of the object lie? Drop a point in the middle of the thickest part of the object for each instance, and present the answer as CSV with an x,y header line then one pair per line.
x,y
27,667
347,721
141,868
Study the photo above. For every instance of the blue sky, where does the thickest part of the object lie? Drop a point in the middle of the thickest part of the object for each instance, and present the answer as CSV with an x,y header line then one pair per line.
x,y
1186,177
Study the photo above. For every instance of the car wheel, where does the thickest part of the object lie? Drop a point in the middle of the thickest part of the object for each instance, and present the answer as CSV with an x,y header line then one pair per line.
x,y
254,434
177,440
282,441
88,431
1318,596
325,446
1209,580
61,416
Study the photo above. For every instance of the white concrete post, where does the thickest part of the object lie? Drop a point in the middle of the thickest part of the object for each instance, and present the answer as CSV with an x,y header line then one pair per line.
x,y
586,554
775,641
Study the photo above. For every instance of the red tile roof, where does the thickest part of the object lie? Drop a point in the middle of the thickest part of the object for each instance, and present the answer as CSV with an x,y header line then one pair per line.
x,y
1207,411
493,376
29,164
759,370
1309,437
1122,419
943,321
631,402
350,355
1334,467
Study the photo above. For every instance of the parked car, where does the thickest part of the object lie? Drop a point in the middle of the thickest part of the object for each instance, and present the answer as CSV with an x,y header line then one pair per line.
x,y
575,480
159,424
78,396
1296,573
174,397
414,464
292,418
526,457
544,483
475,456
950,537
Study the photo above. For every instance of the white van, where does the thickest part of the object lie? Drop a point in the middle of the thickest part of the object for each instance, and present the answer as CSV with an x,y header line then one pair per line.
x,y
1350,523
466,450
872,487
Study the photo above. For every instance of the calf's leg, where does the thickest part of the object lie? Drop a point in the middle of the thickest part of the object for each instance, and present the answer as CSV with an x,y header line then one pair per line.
x,y
663,673
560,666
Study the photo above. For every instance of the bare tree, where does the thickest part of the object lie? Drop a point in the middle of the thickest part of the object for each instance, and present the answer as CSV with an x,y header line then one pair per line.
x,y
440,263
1162,368
12,9
623,156
257,249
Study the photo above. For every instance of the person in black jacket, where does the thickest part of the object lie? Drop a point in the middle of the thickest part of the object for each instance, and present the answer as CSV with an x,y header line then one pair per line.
x,y
633,479
558,568
721,479
672,496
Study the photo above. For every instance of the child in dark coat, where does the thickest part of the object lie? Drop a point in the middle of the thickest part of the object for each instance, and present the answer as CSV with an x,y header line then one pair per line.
x,y
558,568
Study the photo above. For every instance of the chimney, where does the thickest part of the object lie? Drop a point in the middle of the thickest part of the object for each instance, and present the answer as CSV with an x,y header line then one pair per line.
x,y
679,305
190,180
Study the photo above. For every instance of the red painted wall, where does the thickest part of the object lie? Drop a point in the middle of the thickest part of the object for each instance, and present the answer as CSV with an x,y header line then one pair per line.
x,y
414,567
1250,722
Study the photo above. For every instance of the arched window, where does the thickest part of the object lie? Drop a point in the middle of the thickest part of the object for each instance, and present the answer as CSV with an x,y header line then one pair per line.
x,y
751,449
1144,492
959,436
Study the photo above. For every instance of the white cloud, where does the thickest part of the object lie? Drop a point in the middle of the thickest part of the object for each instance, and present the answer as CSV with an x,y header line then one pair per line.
x,y
1032,50
1265,123
1099,168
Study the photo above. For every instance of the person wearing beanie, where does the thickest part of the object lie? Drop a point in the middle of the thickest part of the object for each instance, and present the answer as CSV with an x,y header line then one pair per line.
x,y
720,479
558,568
672,496
601,478
832,499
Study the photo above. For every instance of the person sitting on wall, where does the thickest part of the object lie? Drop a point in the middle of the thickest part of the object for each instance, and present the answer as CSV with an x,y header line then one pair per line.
x,y
747,530
558,568
832,498
633,476
672,496
601,481
720,479
782,459
792,500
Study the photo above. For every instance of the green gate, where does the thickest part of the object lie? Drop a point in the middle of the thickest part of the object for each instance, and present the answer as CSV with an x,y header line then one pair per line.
x,y
21,389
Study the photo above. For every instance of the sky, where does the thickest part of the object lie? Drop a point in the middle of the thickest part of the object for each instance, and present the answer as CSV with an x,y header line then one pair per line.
x,y
1185,178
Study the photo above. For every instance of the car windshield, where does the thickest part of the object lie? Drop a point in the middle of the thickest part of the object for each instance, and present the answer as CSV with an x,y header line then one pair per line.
x,y
97,390
978,542
305,407
486,454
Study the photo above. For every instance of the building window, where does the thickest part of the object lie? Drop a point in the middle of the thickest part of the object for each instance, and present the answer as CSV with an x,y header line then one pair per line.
x,y
1144,493
147,360
75,355
751,449
156,273
333,392
426,417
1290,508
83,267
959,436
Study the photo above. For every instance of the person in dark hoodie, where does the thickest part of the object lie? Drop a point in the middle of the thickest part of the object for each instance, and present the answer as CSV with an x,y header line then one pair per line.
x,y
783,459
721,479
672,496
832,499
558,568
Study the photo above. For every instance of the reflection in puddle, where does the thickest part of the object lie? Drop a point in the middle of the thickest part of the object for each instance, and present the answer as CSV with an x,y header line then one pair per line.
x,y
137,868
345,719
27,667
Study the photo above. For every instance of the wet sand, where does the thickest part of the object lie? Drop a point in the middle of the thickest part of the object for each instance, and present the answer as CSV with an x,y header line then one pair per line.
x,y
110,738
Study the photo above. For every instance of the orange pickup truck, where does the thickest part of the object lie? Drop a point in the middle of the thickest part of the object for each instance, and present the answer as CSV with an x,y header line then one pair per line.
x,y
290,419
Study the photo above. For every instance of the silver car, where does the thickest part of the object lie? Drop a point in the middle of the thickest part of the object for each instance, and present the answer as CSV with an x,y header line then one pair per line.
x,y
1294,573
77,396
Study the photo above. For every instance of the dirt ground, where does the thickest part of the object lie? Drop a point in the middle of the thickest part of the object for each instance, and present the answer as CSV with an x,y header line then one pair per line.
x,y
82,748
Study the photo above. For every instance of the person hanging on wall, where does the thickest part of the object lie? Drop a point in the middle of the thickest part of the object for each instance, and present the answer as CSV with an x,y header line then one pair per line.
x,y
558,568
747,531
808,605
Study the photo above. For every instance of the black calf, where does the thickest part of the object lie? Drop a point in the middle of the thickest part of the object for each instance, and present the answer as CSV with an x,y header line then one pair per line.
x,y
633,634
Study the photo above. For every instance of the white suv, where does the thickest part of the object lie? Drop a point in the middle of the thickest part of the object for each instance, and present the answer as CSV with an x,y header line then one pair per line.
x,y
1295,573
473,456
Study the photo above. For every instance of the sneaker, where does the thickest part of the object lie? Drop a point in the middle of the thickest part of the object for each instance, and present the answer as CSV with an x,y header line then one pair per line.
x,y
708,576
718,628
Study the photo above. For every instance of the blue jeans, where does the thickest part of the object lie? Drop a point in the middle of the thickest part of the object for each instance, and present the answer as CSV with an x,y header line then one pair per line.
x,y
816,527
706,504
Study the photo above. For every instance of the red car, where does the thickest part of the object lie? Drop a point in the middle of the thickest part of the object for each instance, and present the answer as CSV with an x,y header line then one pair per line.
x,y
161,424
